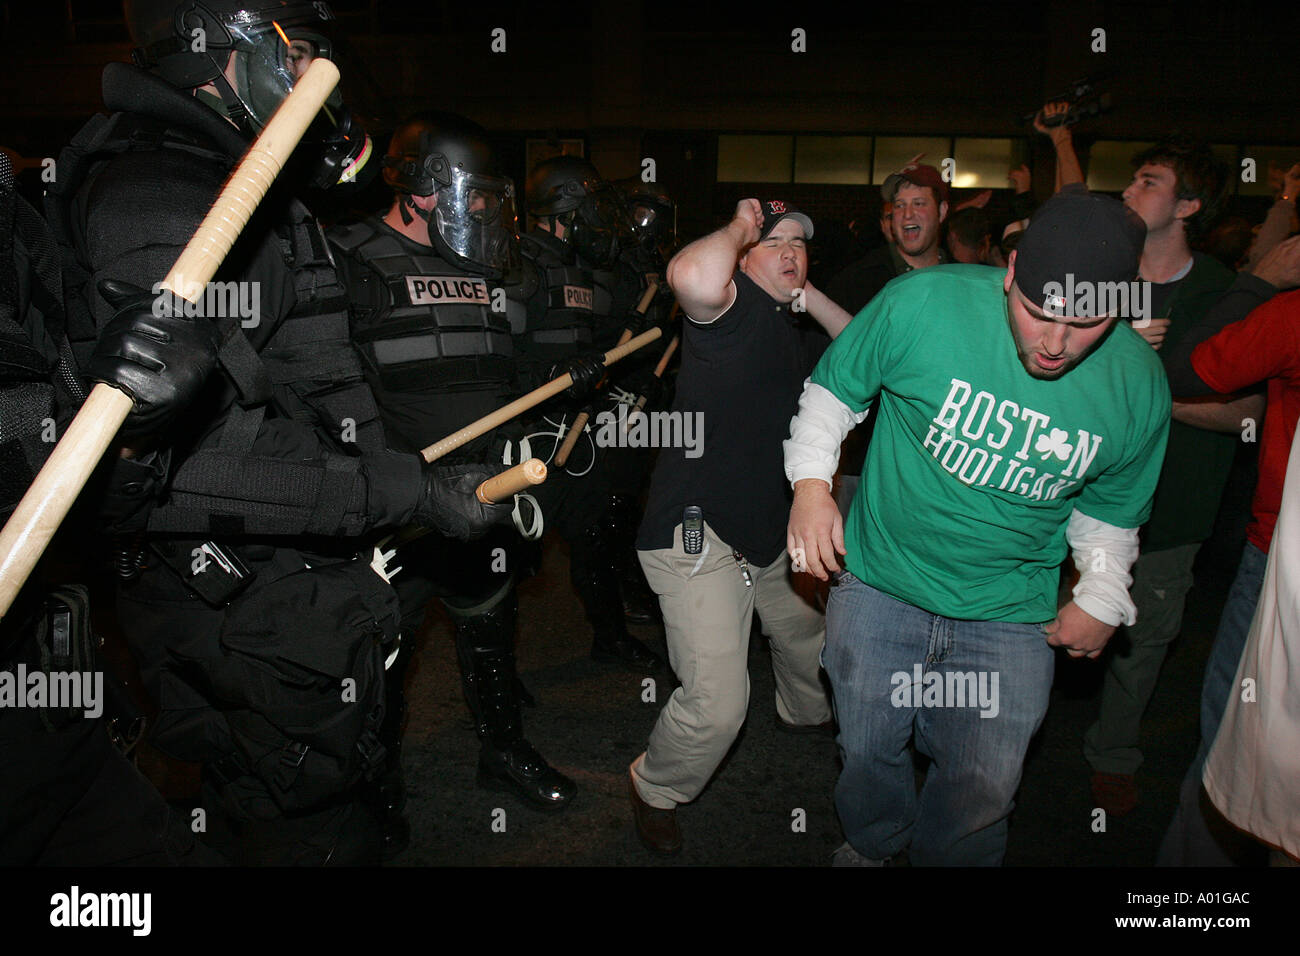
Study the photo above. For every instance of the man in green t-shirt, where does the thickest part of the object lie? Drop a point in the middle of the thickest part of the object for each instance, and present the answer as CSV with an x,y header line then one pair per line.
x,y
1016,419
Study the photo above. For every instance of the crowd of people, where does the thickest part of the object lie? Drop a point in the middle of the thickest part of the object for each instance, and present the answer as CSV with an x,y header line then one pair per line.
x,y
958,414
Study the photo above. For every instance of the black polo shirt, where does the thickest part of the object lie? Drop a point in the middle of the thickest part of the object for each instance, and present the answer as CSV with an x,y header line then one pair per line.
x,y
744,372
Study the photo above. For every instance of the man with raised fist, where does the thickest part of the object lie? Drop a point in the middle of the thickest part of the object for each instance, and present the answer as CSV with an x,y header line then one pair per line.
x,y
710,542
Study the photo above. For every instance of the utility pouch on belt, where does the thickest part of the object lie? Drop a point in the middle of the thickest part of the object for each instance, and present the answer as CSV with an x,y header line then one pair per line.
x,y
213,572
67,647
301,677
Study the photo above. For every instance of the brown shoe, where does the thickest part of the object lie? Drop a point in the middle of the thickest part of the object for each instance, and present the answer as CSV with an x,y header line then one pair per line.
x,y
1116,793
656,828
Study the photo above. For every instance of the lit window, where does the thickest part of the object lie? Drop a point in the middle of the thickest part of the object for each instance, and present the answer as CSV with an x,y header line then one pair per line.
x,y
833,159
983,163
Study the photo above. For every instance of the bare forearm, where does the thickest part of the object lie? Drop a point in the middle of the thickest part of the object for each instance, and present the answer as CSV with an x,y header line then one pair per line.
x,y
1214,413
824,311
1067,160
700,275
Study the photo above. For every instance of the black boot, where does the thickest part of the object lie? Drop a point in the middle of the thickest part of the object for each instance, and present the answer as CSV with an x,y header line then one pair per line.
x,y
597,588
507,762
386,796
386,793
640,604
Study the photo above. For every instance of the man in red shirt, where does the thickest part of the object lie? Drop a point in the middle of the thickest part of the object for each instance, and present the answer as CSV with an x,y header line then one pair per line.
x,y
1264,346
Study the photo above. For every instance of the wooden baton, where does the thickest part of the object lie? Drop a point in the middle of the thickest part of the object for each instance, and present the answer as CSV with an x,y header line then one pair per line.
x,y
668,354
571,439
56,486
652,287
535,397
659,373
497,488
512,481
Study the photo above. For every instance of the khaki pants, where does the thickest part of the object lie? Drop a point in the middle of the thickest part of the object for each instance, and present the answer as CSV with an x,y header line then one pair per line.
x,y
707,611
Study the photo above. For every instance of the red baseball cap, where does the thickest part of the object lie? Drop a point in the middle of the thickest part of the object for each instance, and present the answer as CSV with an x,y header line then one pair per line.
x,y
918,174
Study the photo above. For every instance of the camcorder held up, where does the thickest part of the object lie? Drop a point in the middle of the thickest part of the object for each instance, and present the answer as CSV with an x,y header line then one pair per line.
x,y
1085,100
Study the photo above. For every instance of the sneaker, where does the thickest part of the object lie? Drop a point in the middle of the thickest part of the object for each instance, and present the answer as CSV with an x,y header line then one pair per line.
x,y
1116,793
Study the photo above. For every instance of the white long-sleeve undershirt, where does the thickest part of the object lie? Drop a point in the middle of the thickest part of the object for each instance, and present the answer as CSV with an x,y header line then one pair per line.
x,y
816,433
1103,554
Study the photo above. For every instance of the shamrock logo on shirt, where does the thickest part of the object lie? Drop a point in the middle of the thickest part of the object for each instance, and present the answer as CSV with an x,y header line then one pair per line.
x,y
1054,444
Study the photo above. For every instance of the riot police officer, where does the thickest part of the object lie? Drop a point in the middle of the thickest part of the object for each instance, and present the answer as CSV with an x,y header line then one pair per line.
x,y
571,321
432,323
654,222
642,260
69,796
258,620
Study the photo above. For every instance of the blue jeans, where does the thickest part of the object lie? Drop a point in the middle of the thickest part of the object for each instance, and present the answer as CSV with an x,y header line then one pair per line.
x,y
1190,839
876,647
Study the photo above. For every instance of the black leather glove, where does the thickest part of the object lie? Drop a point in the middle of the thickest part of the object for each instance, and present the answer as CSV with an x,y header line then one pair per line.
x,y
653,390
587,369
448,503
658,315
160,360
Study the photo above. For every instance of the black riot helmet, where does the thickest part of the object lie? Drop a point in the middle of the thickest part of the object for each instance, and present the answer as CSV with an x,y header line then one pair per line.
x,y
654,215
266,45
569,188
474,223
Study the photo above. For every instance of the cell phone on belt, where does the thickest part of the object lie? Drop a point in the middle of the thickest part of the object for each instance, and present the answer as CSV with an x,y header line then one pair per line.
x,y
692,529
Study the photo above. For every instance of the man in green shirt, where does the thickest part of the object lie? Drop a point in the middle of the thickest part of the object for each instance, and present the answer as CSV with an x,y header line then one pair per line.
x,y
1016,419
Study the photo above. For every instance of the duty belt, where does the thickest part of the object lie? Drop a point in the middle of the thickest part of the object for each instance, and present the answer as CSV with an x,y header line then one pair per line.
x,y
440,345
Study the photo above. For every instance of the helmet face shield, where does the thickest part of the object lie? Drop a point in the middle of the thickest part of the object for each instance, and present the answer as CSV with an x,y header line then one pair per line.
x,y
600,224
474,222
655,225
268,59
253,51
643,217
269,56
604,209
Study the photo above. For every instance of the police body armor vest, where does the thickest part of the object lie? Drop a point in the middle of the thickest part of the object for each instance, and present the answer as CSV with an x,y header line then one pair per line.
x,y
437,354
574,303
607,326
306,370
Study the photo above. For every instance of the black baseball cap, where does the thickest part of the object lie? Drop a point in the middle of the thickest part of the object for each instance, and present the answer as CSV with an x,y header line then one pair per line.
x,y
1077,237
774,210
